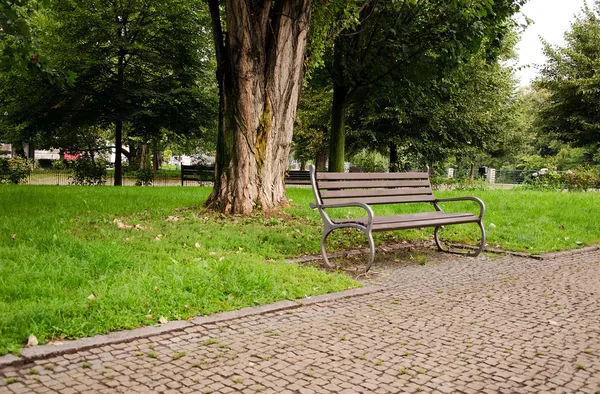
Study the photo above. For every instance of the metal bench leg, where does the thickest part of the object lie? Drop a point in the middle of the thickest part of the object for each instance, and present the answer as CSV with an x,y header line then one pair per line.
x,y
436,237
438,243
372,247
323,251
481,245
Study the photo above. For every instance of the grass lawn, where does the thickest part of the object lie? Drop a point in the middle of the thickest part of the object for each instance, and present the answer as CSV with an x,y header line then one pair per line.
x,y
78,261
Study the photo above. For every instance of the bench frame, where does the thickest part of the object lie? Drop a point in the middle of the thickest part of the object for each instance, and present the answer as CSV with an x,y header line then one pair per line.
x,y
407,192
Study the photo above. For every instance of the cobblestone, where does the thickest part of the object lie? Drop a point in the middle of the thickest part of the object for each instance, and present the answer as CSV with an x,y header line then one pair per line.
x,y
453,325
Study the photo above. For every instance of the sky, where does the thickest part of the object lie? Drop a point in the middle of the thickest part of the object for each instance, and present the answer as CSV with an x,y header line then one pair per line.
x,y
551,19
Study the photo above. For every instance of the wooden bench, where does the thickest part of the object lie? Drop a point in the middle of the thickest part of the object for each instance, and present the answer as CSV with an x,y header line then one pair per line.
x,y
199,173
297,177
338,190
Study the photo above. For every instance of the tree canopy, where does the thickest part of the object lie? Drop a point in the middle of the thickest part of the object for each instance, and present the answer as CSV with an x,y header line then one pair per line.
x,y
571,77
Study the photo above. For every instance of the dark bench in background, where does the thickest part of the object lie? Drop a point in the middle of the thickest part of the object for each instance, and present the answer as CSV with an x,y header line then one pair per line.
x,y
296,177
202,173
198,173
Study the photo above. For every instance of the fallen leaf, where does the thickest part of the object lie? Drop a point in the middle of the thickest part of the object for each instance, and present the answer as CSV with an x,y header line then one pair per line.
x,y
197,244
172,218
155,288
222,258
149,316
91,297
32,341
184,246
13,236
163,320
213,253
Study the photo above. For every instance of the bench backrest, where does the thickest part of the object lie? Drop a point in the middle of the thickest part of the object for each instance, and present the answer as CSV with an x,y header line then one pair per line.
x,y
297,177
197,172
371,188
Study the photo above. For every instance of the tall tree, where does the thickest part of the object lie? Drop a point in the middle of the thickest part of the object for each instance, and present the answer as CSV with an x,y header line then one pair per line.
x,y
260,56
401,46
141,67
571,76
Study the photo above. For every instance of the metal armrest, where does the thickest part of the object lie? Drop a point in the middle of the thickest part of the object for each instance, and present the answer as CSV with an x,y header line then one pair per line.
x,y
364,206
467,198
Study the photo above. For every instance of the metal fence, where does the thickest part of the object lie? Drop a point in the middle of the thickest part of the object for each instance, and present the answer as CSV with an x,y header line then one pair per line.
x,y
65,177
514,177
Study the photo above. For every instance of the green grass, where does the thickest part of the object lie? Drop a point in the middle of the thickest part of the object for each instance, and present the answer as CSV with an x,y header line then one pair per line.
x,y
516,220
67,246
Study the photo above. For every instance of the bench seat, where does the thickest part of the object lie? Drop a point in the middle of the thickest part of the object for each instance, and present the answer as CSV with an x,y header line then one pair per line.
x,y
361,190
413,220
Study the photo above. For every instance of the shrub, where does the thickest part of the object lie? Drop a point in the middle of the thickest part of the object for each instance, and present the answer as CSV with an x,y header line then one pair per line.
x,y
14,170
59,165
144,177
370,162
87,171
582,178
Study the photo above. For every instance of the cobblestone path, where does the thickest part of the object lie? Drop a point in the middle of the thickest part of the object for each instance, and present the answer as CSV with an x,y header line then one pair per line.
x,y
491,325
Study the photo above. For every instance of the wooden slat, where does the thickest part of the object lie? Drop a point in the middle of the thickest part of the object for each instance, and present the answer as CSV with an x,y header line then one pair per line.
x,y
412,217
385,200
331,194
368,175
425,223
329,185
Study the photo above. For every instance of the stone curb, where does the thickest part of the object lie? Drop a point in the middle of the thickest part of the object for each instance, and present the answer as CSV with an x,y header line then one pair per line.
x,y
555,255
58,348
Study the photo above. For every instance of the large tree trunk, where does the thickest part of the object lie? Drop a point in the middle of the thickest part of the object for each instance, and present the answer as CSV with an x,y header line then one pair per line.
x,y
260,69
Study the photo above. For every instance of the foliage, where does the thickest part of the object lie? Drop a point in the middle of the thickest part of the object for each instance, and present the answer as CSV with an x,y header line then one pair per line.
x,y
14,170
369,161
582,178
311,131
89,171
424,43
144,177
147,65
571,78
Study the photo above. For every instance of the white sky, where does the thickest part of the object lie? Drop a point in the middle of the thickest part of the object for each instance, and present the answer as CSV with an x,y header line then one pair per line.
x,y
551,18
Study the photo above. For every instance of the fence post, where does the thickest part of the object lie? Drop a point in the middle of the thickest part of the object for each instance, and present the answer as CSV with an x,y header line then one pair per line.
x,y
491,175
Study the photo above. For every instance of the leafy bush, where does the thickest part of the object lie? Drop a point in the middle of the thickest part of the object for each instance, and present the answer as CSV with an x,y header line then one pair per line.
x,y
582,179
87,171
144,177
59,165
14,170
370,161
440,183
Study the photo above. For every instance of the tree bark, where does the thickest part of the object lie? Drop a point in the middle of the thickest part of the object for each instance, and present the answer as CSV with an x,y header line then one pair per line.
x,y
337,140
260,70
321,160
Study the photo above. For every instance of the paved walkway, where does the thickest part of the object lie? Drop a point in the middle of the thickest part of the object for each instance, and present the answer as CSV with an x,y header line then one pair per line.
x,y
499,324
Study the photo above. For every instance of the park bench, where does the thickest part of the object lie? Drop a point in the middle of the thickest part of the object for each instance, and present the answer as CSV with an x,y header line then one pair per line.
x,y
197,172
340,190
297,177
